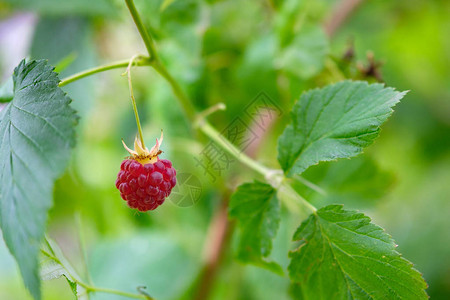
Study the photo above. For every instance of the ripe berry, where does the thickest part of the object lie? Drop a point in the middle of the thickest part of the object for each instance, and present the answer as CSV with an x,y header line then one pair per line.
x,y
144,180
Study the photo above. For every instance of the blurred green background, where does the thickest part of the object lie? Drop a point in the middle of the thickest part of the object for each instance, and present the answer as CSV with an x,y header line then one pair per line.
x,y
229,51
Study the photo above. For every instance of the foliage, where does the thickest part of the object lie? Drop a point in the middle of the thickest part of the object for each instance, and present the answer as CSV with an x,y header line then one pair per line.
x,y
256,207
335,122
37,129
291,237
342,251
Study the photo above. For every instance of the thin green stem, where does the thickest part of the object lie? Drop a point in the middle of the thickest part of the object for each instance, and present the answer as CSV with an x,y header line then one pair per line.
x,y
214,135
142,61
291,194
187,105
157,65
133,100
201,116
90,288
148,41
311,185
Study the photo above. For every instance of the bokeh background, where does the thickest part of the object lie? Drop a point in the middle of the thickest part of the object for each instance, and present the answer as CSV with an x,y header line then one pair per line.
x,y
229,51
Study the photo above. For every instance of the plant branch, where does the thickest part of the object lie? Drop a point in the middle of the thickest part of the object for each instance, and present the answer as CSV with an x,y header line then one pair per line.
x,y
216,244
210,110
311,185
340,14
220,228
187,105
214,135
141,61
90,288
185,102
293,199
148,41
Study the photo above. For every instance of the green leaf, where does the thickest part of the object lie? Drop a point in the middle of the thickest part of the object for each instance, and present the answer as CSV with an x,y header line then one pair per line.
x,y
334,122
73,287
342,255
55,265
257,210
37,134
52,270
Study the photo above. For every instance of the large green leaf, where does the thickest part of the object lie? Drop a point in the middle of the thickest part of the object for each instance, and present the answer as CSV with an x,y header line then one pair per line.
x,y
257,210
37,134
334,122
342,255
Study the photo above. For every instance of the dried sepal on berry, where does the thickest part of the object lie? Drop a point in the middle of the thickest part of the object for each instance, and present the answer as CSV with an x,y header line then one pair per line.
x,y
141,154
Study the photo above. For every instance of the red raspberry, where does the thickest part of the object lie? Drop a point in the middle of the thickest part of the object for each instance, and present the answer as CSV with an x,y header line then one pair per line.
x,y
145,187
144,180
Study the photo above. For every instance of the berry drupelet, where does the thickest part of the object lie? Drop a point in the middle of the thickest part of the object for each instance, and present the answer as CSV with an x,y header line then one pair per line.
x,y
144,180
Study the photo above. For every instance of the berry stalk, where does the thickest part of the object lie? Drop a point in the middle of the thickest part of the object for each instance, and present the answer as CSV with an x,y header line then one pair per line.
x,y
133,100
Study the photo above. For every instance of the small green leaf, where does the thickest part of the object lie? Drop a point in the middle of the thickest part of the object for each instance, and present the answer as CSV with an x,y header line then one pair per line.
x,y
334,122
50,269
342,255
37,134
55,265
257,210
73,286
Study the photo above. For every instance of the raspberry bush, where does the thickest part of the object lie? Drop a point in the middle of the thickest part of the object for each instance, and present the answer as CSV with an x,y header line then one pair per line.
x,y
275,207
